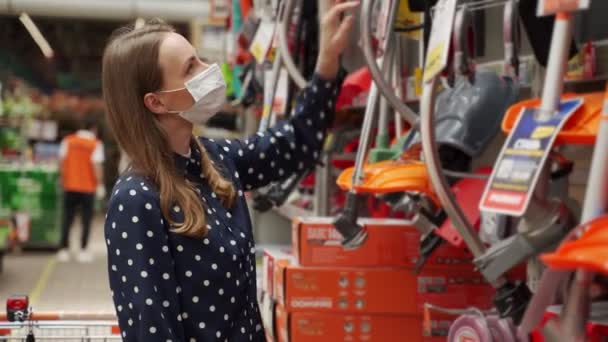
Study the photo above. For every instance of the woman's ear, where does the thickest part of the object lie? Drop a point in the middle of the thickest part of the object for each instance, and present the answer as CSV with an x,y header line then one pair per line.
x,y
154,104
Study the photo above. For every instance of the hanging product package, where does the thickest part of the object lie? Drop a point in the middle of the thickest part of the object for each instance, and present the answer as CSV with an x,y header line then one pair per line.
x,y
469,115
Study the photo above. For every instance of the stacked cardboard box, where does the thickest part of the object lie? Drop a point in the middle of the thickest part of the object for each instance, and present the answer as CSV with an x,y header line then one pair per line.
x,y
322,292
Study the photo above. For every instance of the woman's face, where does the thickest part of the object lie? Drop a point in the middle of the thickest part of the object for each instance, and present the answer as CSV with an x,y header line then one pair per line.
x,y
179,63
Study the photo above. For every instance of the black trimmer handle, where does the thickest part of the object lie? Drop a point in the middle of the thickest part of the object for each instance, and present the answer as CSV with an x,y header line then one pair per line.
x,y
278,193
511,300
354,234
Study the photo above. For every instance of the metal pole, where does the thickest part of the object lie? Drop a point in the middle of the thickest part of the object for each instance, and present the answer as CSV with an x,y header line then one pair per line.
x,y
290,65
382,137
595,204
397,84
596,194
557,66
322,187
270,93
374,92
355,235
575,313
377,74
431,158
368,120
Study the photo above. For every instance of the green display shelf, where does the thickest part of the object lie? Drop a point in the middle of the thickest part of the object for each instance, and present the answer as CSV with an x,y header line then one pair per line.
x,y
34,189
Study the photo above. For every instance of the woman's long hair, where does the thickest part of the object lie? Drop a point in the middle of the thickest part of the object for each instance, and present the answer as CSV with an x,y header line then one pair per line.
x,y
130,70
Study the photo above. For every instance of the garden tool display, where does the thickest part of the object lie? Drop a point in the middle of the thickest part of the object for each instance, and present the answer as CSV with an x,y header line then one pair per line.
x,y
585,255
510,299
277,194
545,220
346,223
466,137
382,151
469,117
469,114
265,199
290,64
581,128
384,87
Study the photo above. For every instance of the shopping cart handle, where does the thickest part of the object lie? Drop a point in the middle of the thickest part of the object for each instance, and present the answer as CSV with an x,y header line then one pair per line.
x,y
17,308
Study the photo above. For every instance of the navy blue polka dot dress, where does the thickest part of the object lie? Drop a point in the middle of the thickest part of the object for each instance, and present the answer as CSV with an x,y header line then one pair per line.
x,y
169,287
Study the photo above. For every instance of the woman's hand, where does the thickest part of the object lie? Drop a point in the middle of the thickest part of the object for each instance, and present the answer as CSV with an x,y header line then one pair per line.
x,y
334,36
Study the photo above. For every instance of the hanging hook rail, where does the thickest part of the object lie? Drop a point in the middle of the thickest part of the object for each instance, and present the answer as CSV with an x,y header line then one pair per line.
x,y
478,5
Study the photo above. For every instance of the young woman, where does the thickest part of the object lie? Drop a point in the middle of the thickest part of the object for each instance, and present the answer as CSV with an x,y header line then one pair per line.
x,y
181,255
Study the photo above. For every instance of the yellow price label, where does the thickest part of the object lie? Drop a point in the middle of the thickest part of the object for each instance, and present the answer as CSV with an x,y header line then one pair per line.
x,y
418,82
441,36
542,132
262,41
257,52
266,111
434,61
329,140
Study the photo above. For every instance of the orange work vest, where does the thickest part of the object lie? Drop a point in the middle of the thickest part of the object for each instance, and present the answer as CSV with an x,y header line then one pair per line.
x,y
78,172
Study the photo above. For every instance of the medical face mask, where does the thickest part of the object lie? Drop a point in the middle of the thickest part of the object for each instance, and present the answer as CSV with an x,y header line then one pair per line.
x,y
208,89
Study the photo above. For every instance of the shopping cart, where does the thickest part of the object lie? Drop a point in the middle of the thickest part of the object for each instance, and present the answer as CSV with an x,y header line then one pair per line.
x,y
21,324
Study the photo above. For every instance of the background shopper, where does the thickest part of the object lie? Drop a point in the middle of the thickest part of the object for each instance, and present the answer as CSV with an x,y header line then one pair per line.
x,y
82,157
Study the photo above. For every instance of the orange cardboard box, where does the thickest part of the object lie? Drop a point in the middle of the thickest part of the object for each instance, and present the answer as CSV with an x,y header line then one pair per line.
x,y
267,311
377,290
315,327
274,255
390,243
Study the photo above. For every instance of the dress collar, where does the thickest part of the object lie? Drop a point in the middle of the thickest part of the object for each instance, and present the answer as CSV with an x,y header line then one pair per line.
x,y
191,163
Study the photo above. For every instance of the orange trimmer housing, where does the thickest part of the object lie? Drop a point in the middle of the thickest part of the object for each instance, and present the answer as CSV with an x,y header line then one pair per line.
x,y
580,129
406,174
588,253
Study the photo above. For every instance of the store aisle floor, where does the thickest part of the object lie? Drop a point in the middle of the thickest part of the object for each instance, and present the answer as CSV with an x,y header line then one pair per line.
x,y
55,286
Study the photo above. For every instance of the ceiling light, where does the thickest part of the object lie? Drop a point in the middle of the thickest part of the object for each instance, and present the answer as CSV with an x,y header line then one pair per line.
x,y
43,44
139,23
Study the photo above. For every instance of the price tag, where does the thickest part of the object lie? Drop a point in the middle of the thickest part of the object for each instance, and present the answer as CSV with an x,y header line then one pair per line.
x,y
262,41
418,82
441,35
548,7
521,160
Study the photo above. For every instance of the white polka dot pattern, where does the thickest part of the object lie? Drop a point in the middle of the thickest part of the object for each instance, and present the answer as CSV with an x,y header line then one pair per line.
x,y
169,287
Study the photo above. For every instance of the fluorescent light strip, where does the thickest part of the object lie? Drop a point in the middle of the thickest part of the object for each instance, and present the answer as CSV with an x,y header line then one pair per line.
x,y
36,35
139,23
